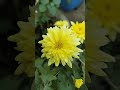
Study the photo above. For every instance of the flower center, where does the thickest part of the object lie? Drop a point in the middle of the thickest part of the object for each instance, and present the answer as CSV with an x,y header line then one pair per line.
x,y
58,45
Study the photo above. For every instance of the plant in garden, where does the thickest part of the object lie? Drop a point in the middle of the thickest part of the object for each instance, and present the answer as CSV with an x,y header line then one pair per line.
x,y
57,46
46,9
60,46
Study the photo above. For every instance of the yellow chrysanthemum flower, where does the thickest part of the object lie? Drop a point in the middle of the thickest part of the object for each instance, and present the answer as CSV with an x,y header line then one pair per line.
x,y
78,83
96,58
25,40
59,45
79,30
61,23
106,12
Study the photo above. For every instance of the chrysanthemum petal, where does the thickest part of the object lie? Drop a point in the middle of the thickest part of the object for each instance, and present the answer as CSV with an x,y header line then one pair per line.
x,y
60,46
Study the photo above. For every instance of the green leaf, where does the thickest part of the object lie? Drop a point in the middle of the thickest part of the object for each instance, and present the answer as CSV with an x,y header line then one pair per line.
x,y
52,4
44,19
57,2
52,10
38,82
64,83
82,57
44,75
42,8
48,88
38,62
44,1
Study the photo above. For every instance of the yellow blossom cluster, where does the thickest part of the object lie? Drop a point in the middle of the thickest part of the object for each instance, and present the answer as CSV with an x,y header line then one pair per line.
x,y
60,43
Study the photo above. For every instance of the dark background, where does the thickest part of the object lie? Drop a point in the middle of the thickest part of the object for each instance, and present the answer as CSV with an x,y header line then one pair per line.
x,y
12,11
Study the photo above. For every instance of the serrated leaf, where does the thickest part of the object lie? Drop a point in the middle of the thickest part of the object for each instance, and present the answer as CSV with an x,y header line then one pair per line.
x,y
44,19
44,1
42,8
64,83
38,62
48,88
52,10
57,2
52,4
44,75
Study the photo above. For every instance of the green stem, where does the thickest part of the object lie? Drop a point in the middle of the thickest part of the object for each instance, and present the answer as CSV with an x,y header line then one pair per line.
x,y
82,62
83,69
